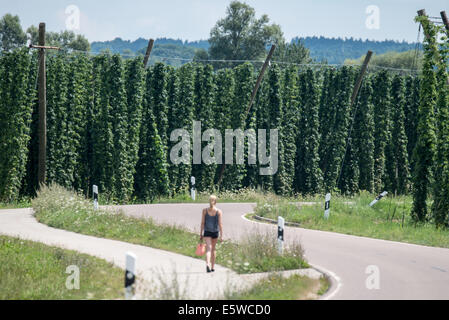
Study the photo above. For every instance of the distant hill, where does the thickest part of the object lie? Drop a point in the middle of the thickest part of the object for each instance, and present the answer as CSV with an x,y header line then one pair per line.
x,y
332,50
171,51
337,50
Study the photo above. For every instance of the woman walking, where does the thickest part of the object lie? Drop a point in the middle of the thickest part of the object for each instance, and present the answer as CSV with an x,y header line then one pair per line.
x,y
211,224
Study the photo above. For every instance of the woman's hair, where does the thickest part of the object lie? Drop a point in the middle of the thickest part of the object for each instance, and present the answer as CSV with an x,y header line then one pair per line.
x,y
213,199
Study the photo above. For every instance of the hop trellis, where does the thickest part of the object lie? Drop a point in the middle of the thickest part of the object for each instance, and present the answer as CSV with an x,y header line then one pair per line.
x,y
110,120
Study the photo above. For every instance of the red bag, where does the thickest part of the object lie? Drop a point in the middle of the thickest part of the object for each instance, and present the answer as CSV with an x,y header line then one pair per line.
x,y
200,249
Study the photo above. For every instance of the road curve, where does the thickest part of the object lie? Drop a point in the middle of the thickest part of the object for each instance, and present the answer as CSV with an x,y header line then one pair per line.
x,y
406,271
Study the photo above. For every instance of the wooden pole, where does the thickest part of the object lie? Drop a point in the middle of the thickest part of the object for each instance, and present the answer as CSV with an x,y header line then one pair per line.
x,y
253,96
42,122
445,21
421,13
148,53
259,79
361,75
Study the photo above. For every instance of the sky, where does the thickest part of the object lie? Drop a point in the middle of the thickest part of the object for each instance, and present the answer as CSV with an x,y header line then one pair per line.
x,y
101,20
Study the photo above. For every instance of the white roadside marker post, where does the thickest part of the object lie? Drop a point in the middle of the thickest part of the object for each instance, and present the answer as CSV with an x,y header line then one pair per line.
x,y
327,206
380,196
193,191
130,275
95,193
281,223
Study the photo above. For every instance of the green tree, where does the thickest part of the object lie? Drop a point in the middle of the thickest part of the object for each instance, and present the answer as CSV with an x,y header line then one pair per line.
x,y
241,36
294,52
11,33
201,56
64,39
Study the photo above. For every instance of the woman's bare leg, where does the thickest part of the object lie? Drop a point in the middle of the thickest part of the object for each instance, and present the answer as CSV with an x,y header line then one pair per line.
x,y
208,250
214,252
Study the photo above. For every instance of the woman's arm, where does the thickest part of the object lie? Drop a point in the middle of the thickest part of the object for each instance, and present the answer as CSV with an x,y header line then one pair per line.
x,y
203,218
220,224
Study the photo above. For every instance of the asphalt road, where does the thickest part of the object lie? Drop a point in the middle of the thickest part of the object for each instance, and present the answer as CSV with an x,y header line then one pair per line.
x,y
405,271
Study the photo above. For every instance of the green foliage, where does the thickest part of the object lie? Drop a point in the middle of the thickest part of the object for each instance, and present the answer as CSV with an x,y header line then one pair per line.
x,y
308,173
151,179
294,52
382,123
11,33
393,59
289,132
67,40
440,207
363,141
182,118
204,112
399,175
275,107
338,120
411,114
15,119
425,146
109,122
134,86
240,35
235,174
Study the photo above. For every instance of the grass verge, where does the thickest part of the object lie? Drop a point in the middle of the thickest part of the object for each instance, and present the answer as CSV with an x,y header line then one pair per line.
x,y
23,203
277,287
257,252
33,271
389,219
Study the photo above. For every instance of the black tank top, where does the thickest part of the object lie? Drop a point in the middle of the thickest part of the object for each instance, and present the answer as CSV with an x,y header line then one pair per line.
x,y
211,222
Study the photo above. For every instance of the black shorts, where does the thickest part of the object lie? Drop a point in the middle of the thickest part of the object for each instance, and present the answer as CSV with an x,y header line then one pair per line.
x,y
213,235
